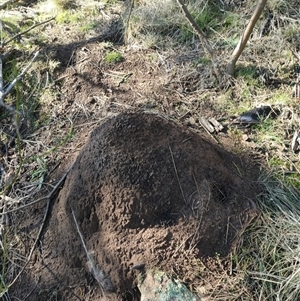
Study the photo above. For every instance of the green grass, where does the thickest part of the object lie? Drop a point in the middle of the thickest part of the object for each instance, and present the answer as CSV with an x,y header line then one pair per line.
x,y
88,27
269,133
38,174
67,17
266,264
291,34
207,16
247,72
166,19
281,97
113,57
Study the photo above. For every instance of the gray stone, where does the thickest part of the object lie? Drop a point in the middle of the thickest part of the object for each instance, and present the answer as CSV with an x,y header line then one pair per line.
x,y
156,285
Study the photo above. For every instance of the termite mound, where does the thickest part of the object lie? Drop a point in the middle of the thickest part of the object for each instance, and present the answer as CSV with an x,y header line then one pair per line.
x,y
148,191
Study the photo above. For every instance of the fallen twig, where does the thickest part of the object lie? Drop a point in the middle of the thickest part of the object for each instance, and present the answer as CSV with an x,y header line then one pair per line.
x,y
181,189
102,279
25,31
49,198
10,86
207,131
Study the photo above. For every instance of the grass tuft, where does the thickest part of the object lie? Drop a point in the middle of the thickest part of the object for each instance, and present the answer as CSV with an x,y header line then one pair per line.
x,y
66,17
113,57
272,261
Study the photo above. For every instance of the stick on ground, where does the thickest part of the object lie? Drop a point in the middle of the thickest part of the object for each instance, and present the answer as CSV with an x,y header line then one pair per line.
x,y
49,198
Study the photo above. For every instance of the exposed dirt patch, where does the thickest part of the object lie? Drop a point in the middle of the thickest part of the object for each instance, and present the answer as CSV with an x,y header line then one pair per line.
x,y
144,79
145,191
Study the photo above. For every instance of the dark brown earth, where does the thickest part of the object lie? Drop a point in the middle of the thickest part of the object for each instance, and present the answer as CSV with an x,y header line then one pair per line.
x,y
144,190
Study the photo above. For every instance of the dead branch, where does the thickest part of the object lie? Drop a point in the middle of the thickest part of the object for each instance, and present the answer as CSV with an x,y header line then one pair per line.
x,y
245,37
206,45
11,85
25,31
131,5
49,198
99,275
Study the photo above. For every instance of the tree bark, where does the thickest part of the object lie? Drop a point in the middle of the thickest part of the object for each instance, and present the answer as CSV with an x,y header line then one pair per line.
x,y
245,37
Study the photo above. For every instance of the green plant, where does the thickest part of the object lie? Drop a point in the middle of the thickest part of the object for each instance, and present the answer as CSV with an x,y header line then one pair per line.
x,y
291,33
247,72
269,134
208,17
67,17
281,97
113,57
88,27
40,171
231,20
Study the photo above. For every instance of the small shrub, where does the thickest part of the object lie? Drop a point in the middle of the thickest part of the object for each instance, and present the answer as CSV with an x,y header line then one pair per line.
x,y
113,57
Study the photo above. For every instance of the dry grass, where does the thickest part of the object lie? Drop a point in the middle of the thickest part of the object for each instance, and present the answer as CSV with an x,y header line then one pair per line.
x,y
269,255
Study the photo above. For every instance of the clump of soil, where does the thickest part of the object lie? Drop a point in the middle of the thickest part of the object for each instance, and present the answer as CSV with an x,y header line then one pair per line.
x,y
146,191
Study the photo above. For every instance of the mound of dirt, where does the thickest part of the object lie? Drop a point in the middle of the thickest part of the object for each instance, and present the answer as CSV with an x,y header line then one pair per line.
x,y
146,191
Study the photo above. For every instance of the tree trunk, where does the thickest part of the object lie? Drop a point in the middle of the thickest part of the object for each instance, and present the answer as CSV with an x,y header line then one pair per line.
x,y
245,37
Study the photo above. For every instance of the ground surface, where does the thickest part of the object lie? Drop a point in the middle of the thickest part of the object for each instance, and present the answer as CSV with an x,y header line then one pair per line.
x,y
124,189
152,188
144,191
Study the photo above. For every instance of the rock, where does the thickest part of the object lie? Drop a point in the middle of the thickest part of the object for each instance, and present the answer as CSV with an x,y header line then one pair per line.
x,y
156,285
